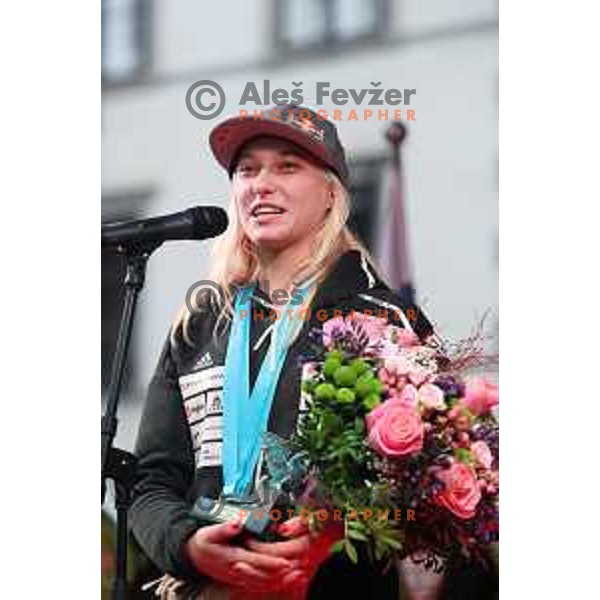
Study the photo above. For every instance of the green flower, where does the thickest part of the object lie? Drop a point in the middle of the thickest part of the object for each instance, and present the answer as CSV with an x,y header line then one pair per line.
x,y
325,391
367,384
330,366
371,401
345,376
360,366
345,395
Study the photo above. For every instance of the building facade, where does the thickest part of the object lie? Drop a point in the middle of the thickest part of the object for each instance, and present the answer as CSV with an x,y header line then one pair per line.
x,y
155,155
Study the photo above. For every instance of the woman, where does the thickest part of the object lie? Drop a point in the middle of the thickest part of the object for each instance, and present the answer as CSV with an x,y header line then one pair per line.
x,y
287,234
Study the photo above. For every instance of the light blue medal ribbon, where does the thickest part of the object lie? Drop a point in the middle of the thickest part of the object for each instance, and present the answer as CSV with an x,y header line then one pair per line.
x,y
245,415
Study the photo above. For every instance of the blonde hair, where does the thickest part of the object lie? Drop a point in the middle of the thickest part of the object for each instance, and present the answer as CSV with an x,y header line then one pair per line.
x,y
235,258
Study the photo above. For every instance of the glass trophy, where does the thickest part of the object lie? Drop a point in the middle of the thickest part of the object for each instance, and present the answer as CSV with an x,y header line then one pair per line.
x,y
256,509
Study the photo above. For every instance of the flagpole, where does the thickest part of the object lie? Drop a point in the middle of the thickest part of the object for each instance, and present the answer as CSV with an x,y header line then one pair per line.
x,y
396,256
395,135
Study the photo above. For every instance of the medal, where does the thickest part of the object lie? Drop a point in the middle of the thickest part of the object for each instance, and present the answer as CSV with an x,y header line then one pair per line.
x,y
245,419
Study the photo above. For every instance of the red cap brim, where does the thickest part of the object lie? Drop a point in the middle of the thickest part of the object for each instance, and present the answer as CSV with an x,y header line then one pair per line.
x,y
227,138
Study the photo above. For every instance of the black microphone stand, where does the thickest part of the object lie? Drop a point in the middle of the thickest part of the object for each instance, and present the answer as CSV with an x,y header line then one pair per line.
x,y
118,464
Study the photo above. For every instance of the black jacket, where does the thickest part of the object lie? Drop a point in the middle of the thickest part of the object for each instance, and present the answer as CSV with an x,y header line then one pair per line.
x,y
180,436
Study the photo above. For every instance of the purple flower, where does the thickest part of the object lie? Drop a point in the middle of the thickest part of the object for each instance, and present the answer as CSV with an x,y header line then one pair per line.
x,y
355,334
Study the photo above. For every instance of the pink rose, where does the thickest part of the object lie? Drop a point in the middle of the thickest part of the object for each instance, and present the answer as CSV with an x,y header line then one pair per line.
x,y
482,454
388,348
431,397
374,327
481,395
406,338
461,494
398,364
419,375
409,396
402,365
394,429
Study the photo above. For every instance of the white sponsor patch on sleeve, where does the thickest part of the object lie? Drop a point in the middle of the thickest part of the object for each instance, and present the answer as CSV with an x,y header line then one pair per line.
x,y
201,381
203,403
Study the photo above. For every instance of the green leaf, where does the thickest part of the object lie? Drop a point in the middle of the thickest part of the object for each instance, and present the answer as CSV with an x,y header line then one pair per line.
x,y
351,551
392,542
357,535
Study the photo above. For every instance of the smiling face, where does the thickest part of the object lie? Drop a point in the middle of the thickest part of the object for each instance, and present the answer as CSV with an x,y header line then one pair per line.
x,y
282,194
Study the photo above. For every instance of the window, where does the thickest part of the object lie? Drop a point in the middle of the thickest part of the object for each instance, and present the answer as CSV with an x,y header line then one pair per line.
x,y
365,190
125,39
326,23
354,18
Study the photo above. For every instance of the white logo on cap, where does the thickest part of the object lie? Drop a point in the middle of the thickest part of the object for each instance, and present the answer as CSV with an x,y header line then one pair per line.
x,y
308,127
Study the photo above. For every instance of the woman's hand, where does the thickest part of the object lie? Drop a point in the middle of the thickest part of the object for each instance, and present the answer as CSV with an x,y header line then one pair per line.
x,y
211,552
305,549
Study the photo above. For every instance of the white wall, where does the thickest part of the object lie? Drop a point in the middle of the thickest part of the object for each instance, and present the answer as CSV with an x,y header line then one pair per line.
x,y
150,140
195,35
412,17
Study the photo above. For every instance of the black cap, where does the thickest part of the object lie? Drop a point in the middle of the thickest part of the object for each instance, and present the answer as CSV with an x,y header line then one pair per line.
x,y
297,124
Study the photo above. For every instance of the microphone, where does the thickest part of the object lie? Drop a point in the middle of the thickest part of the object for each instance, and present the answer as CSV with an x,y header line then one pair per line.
x,y
197,223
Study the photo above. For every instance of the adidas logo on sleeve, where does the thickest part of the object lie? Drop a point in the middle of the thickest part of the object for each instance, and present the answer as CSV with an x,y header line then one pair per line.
x,y
206,360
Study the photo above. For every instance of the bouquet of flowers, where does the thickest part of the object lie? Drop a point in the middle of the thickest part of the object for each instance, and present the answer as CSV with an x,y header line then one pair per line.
x,y
400,445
